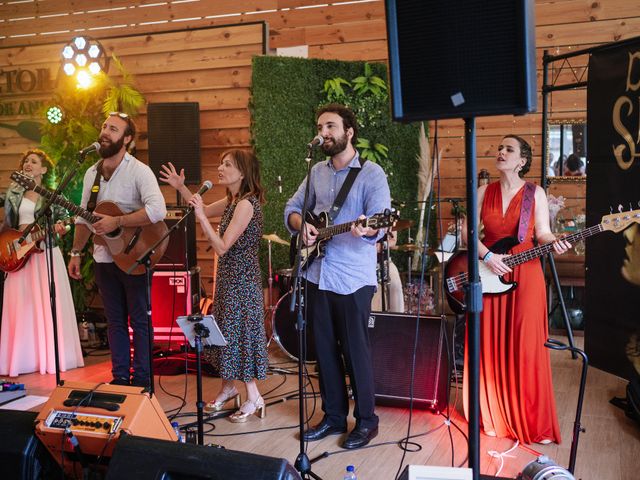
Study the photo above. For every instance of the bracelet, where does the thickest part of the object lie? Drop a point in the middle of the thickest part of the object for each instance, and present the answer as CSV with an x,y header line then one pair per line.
x,y
487,256
119,221
75,253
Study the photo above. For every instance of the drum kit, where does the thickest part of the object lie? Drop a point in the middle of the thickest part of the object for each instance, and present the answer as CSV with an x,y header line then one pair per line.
x,y
280,321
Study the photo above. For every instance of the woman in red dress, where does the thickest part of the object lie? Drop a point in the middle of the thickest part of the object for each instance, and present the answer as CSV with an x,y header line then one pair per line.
x,y
516,390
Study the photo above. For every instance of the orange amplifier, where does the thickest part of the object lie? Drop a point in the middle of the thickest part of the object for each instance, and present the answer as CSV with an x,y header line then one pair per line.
x,y
93,416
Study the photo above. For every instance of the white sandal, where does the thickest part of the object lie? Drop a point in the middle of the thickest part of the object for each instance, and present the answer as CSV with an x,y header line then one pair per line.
x,y
227,395
247,409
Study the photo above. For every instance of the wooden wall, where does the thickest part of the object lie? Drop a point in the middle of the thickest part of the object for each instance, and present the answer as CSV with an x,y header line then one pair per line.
x,y
213,66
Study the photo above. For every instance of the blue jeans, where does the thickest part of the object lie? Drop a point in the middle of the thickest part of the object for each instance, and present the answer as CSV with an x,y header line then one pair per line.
x,y
124,299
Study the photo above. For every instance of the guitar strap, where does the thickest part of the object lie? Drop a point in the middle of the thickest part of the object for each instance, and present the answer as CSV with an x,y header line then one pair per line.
x,y
526,209
91,204
344,190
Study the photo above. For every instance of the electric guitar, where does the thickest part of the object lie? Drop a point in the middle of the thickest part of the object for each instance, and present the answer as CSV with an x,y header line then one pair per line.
x,y
125,244
457,275
327,231
14,255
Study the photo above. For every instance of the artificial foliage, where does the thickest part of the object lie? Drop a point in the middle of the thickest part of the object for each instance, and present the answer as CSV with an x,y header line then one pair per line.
x,y
285,95
84,110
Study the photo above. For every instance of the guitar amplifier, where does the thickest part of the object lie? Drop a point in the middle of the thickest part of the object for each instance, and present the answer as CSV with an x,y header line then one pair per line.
x,y
96,415
181,251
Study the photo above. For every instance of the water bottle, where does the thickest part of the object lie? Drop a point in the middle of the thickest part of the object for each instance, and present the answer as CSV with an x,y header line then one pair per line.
x,y
350,474
176,428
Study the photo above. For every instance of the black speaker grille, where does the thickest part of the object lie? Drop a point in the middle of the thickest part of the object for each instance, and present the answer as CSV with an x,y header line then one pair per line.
x,y
392,339
174,136
181,252
477,52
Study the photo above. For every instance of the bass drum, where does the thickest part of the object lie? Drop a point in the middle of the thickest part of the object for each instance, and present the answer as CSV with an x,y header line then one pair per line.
x,y
284,333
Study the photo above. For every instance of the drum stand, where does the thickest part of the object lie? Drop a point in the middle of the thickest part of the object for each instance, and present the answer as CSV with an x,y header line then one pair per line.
x,y
268,312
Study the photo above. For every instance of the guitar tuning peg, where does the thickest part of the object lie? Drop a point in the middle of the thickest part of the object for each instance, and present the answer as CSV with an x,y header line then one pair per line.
x,y
610,209
620,208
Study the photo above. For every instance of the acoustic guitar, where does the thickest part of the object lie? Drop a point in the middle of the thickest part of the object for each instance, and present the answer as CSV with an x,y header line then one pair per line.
x,y
125,244
457,275
13,254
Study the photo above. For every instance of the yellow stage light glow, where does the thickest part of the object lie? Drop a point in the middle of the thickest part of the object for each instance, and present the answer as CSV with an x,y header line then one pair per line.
x,y
84,79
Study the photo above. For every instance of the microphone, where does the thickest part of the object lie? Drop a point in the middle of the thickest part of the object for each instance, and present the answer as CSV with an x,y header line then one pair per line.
x,y
94,147
316,142
206,186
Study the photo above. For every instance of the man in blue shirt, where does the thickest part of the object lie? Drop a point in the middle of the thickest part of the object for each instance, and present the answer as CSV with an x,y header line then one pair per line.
x,y
340,285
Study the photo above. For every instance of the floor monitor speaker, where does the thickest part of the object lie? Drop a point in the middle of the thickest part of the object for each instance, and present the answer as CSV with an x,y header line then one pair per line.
x,y
392,337
96,414
461,58
22,456
136,458
174,136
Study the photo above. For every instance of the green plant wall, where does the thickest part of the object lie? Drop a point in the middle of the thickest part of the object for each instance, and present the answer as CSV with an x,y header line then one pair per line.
x,y
285,95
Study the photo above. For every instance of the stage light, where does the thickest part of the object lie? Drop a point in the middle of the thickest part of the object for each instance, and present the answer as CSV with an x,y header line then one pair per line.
x,y
83,57
54,114
84,79
545,469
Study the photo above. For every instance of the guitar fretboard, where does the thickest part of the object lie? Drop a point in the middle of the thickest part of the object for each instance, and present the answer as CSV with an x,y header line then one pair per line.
x,y
541,250
329,232
72,207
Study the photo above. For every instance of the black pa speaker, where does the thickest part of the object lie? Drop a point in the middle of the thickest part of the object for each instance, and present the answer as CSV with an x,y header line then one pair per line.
x,y
22,456
392,338
174,136
461,58
137,457
181,252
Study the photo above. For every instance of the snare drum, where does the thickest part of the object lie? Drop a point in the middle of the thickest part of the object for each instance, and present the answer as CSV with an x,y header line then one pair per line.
x,y
284,332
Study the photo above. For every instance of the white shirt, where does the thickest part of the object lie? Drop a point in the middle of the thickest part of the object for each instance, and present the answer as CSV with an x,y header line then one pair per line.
x,y
132,186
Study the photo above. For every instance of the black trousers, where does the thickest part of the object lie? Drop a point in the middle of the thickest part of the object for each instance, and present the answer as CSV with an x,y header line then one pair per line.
x,y
340,328
124,299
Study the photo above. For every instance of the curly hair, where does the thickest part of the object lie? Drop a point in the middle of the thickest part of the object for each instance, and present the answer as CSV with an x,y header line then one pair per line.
x,y
525,152
48,179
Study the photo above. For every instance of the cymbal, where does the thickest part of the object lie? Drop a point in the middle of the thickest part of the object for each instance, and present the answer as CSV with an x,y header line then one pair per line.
x,y
273,237
402,224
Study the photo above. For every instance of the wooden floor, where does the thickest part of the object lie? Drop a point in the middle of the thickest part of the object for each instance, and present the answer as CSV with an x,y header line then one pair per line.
x,y
608,450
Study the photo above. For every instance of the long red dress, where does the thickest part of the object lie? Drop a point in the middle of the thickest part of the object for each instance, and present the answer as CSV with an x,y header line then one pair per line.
x,y
516,390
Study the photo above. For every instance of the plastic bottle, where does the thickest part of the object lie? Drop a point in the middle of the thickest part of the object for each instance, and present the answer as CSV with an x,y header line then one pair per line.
x,y
350,474
176,428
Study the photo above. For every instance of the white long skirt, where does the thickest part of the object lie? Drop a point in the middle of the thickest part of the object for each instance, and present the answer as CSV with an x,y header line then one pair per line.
x,y
26,336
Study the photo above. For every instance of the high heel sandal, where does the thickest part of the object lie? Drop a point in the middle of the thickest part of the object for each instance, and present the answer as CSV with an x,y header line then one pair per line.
x,y
227,395
247,409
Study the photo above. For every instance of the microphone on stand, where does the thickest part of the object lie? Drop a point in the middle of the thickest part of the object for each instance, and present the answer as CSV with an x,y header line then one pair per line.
x,y
316,142
94,147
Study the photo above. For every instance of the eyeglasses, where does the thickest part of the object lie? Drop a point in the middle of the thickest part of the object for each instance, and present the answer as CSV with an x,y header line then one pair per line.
x,y
119,114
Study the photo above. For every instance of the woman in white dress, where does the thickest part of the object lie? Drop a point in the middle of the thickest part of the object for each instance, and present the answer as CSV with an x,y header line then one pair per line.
x,y
26,334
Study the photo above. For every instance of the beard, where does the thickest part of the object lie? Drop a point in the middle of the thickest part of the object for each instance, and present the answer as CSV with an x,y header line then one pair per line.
x,y
338,145
111,148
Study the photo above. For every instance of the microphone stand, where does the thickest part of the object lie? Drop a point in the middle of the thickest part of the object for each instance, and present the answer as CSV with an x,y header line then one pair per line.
x,y
145,259
302,463
48,241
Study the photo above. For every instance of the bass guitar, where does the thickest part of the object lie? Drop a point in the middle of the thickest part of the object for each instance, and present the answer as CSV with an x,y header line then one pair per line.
x,y
326,231
457,275
13,254
125,244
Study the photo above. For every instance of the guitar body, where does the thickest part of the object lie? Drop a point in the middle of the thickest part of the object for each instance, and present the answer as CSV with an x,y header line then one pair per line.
x,y
492,284
14,256
140,238
309,254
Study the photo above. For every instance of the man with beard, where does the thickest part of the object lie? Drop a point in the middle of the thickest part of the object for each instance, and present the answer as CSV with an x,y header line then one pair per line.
x,y
340,285
120,178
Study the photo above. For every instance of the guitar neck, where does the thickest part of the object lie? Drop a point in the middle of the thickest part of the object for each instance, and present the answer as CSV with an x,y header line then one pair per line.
x,y
40,234
329,232
541,250
63,202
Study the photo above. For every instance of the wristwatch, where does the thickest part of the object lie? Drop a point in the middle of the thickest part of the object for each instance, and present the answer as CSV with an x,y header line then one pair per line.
x,y
75,253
